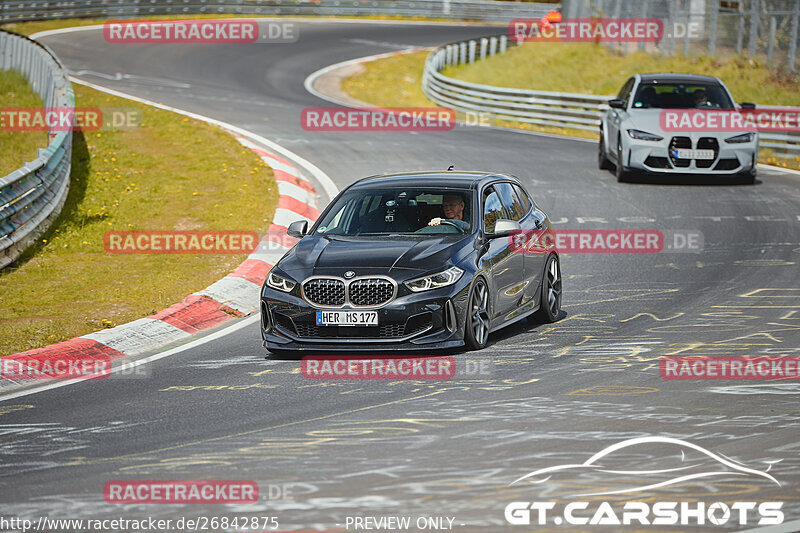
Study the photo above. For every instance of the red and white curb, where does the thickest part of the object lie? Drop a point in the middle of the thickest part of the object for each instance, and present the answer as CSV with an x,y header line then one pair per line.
x,y
236,295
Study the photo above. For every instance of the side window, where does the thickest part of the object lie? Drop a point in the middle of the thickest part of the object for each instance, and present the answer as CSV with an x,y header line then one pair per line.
x,y
523,198
510,200
625,92
492,209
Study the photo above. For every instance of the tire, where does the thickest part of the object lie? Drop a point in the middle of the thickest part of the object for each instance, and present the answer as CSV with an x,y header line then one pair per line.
x,y
748,178
603,163
623,175
476,326
550,295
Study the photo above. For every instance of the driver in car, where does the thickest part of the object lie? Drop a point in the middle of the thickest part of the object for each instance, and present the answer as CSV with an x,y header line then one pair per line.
x,y
453,207
700,98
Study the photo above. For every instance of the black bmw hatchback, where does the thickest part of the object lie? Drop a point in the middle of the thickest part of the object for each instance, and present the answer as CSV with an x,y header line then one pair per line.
x,y
423,260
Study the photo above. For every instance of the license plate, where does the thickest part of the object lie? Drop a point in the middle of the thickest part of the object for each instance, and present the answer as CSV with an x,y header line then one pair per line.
x,y
687,153
347,318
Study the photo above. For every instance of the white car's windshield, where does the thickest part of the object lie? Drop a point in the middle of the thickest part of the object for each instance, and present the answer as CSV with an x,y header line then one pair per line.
x,y
681,96
399,211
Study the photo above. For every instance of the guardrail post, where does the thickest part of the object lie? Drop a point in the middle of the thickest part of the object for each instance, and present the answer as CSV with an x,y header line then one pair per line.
x,y
712,29
740,32
492,46
753,28
643,15
484,44
462,56
793,38
503,43
771,46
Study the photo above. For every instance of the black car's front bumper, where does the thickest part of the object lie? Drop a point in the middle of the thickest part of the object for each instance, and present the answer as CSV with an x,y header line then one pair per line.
x,y
412,321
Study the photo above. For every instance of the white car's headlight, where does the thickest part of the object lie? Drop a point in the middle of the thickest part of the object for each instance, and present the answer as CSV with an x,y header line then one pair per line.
x,y
644,136
278,282
743,138
434,281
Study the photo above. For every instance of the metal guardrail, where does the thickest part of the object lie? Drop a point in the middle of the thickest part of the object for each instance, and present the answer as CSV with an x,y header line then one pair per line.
x,y
483,10
32,196
544,108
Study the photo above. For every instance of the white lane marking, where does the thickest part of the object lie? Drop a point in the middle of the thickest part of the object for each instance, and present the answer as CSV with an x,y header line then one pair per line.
x,y
239,324
308,83
326,182
139,80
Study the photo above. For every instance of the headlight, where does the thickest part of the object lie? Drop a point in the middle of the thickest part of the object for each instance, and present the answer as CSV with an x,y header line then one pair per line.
x,y
282,284
434,281
644,136
743,138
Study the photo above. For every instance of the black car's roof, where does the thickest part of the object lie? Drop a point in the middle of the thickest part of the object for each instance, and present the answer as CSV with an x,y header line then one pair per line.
x,y
678,78
455,179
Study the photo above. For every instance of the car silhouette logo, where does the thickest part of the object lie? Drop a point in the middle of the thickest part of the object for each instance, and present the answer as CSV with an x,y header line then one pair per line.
x,y
349,274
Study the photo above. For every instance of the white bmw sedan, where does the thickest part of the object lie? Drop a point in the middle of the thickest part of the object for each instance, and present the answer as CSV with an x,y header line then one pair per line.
x,y
634,135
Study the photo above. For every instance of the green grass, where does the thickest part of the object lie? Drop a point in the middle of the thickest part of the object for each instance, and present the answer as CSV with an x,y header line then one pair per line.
x,y
18,147
595,69
172,173
396,81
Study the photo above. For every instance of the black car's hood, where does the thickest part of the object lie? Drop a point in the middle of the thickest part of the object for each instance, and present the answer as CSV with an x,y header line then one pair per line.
x,y
314,254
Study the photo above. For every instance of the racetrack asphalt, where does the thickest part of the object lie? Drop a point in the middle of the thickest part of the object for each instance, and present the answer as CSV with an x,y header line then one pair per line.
x,y
557,394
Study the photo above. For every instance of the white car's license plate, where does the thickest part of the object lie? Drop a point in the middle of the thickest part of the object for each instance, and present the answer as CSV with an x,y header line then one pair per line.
x,y
347,318
687,153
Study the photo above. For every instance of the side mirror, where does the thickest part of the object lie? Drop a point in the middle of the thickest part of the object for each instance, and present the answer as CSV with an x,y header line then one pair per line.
x,y
616,103
504,227
747,105
297,229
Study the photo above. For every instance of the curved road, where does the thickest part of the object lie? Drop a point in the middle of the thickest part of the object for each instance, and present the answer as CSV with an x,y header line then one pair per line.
x,y
556,395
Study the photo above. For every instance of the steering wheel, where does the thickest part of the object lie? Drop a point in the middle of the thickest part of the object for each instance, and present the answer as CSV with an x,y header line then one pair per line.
x,y
460,230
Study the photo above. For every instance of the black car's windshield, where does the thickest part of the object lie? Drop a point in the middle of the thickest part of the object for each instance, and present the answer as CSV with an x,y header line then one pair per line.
x,y
681,96
394,211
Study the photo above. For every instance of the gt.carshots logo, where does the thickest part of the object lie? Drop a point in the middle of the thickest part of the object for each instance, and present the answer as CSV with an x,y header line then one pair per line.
x,y
685,463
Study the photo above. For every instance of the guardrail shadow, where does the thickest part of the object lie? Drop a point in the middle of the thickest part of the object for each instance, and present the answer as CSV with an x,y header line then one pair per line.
x,y
78,181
